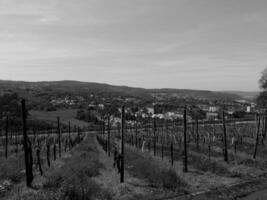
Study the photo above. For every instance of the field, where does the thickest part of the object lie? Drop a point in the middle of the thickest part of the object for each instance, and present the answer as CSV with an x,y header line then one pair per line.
x,y
208,175
65,116
77,163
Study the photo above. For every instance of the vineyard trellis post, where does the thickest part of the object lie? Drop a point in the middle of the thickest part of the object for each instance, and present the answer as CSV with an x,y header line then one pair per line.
x,y
185,142
48,153
197,133
109,146
172,153
136,131
59,137
69,131
258,122
17,148
154,135
265,125
38,150
6,147
29,174
225,137
122,144
55,151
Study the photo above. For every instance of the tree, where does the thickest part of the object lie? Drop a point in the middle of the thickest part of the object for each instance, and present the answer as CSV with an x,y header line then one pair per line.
x,y
262,98
263,79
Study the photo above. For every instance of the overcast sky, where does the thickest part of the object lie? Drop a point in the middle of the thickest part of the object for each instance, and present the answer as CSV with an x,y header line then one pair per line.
x,y
197,44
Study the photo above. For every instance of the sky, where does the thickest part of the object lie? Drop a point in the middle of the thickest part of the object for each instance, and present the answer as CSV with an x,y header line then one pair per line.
x,y
193,44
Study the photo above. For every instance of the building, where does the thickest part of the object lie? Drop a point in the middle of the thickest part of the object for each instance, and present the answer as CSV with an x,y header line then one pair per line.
x,y
212,115
214,109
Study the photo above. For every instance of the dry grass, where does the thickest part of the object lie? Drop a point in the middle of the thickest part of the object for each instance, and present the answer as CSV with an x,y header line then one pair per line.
x,y
145,167
73,179
12,168
65,115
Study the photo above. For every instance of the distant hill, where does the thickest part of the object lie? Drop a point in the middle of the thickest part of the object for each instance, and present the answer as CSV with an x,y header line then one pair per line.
x,y
199,94
249,95
33,90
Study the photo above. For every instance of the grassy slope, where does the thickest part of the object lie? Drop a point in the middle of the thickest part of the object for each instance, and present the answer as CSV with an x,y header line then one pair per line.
x,y
65,116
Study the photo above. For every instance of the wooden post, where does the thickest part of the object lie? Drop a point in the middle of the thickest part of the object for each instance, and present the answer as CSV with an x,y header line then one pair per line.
x,y
122,144
162,148
69,130
30,158
265,125
39,160
136,132
225,138
185,142
109,136
29,175
55,152
154,135
197,134
172,153
16,140
257,136
6,136
48,154
59,137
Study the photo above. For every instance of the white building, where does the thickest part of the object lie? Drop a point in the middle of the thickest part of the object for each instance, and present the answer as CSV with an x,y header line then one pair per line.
x,y
214,109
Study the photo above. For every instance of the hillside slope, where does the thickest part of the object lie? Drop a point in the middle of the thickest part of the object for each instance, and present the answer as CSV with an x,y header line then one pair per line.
x,y
41,89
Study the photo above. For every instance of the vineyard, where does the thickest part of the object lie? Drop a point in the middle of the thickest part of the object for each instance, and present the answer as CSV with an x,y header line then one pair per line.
x,y
26,154
226,158
151,159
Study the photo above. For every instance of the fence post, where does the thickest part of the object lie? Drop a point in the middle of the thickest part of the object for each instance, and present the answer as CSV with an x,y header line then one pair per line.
x,y
29,175
59,137
122,144
185,142
225,139
6,136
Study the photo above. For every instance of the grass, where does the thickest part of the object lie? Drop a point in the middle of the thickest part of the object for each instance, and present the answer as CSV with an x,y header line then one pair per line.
x,y
208,165
144,167
74,178
65,115
11,169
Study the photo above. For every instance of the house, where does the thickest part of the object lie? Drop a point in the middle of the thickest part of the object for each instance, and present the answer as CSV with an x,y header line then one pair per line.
x,y
214,109
212,115
150,110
